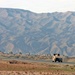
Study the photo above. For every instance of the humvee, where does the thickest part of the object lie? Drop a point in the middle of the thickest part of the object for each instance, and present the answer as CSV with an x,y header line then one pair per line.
x,y
57,58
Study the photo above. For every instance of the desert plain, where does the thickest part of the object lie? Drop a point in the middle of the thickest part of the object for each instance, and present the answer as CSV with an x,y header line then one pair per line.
x,y
17,67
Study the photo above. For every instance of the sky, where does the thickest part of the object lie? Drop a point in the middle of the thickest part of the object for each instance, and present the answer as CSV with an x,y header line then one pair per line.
x,y
40,6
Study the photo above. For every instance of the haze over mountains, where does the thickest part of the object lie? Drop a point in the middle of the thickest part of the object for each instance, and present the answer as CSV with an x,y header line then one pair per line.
x,y
45,33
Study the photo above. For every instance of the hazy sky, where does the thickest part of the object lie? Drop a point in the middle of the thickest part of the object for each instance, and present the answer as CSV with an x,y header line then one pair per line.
x,y
40,6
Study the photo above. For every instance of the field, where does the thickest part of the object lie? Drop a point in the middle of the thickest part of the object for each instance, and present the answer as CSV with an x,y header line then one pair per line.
x,y
15,67
18,64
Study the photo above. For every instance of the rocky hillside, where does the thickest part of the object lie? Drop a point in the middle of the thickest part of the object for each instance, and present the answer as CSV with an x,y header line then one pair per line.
x,y
44,33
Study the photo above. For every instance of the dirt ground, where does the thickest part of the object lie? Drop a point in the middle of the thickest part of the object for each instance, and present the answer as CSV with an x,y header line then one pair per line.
x,y
33,73
14,67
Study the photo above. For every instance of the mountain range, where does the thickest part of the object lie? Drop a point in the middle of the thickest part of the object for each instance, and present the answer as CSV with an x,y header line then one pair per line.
x,y
37,33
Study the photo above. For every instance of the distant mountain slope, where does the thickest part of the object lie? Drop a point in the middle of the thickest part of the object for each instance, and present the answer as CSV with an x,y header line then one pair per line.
x,y
44,33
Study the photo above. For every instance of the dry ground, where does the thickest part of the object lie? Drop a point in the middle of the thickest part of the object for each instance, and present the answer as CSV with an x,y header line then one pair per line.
x,y
14,67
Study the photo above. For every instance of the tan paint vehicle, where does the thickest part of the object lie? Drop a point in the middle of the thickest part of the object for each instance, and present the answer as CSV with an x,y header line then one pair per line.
x,y
57,58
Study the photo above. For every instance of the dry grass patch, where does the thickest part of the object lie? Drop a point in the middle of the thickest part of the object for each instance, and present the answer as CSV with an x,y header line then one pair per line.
x,y
14,65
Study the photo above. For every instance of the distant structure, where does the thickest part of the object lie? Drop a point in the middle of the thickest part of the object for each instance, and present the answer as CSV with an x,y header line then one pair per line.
x,y
57,58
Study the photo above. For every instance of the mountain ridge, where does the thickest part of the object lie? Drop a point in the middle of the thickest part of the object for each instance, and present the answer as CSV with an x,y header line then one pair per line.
x,y
45,33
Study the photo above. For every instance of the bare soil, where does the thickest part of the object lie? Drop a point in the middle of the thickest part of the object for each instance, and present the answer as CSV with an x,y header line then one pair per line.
x,y
14,67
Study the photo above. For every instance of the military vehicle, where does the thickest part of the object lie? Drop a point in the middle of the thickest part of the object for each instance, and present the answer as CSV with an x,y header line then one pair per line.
x,y
57,58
